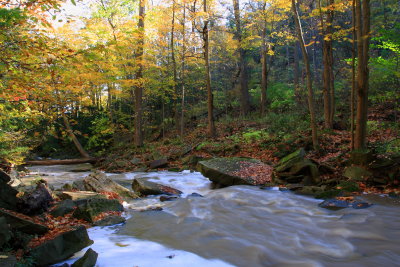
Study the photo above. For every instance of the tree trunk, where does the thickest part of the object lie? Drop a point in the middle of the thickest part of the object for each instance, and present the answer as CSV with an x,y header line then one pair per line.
x,y
211,126
264,74
309,76
244,89
353,76
62,161
182,123
73,137
139,77
174,83
327,76
363,37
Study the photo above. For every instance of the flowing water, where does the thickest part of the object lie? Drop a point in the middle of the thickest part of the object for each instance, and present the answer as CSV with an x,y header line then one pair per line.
x,y
240,226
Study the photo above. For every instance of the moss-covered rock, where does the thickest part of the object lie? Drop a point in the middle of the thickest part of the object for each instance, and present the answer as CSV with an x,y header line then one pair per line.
x,y
88,209
23,223
357,173
87,260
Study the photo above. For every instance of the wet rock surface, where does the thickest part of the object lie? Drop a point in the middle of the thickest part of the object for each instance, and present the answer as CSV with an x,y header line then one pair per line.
x,y
61,247
229,171
144,187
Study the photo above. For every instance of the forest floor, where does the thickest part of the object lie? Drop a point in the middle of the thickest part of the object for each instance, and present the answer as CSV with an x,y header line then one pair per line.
x,y
253,139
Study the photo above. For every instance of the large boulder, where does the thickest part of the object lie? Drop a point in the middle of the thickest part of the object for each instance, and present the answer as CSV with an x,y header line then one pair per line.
x,y
61,247
23,223
144,187
88,260
99,182
357,173
8,195
295,168
236,171
5,232
90,208
37,201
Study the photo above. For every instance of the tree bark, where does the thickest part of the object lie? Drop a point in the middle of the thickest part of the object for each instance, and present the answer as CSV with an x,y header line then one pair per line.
x,y
173,59
211,125
363,37
138,140
309,76
62,161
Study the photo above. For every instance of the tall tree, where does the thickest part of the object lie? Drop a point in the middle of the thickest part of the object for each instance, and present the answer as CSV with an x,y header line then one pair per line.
x,y
139,56
327,55
244,87
363,36
210,98
308,74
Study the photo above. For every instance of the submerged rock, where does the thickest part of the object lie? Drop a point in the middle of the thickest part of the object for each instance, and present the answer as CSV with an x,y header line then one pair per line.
x,y
7,260
235,171
334,204
99,182
88,209
110,220
144,188
61,247
88,260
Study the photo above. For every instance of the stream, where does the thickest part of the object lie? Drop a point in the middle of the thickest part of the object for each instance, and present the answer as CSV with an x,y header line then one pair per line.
x,y
237,226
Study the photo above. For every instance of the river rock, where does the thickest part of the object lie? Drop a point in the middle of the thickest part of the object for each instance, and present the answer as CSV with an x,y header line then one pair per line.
x,y
88,209
37,201
295,168
23,223
144,187
88,260
110,220
158,163
79,195
61,247
334,204
99,182
8,195
5,232
62,208
226,171
168,198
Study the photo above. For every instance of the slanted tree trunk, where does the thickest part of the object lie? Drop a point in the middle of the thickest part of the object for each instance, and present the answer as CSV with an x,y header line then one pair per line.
x,y
308,75
138,140
211,125
73,136
363,37
244,88
296,71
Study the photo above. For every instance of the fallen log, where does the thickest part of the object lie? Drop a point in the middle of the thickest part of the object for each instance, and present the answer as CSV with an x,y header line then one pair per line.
x,y
61,161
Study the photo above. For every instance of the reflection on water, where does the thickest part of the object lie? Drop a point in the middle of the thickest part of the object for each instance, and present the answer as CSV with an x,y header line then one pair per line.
x,y
247,226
